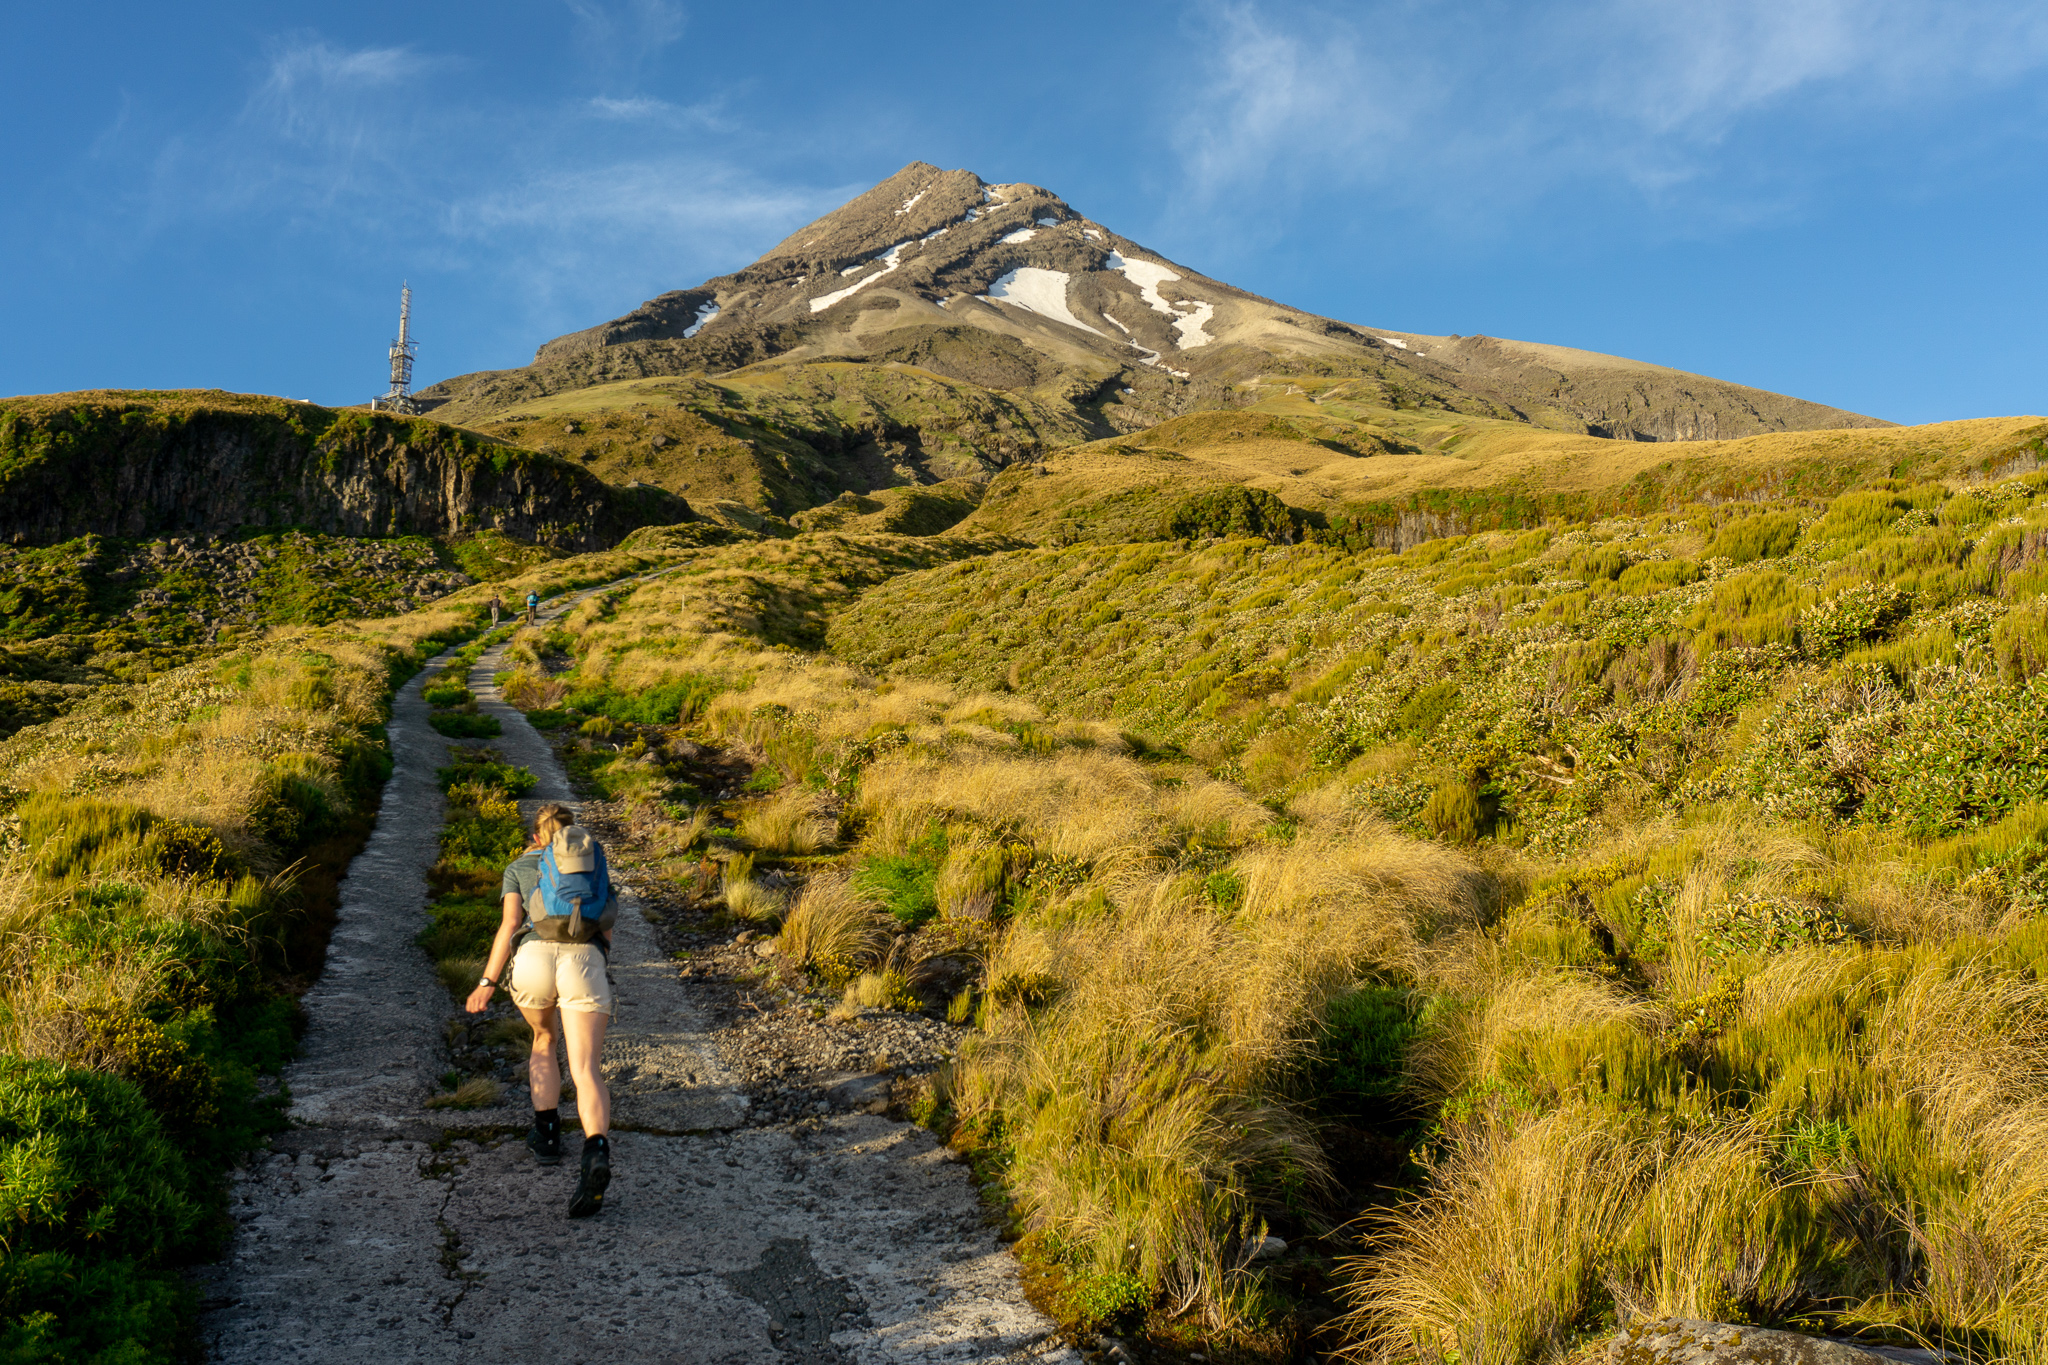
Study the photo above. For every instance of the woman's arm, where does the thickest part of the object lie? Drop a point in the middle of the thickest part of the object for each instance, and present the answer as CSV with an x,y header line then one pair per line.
x,y
501,952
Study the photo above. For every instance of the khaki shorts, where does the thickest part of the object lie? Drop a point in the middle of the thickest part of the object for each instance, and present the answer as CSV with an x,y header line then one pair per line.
x,y
571,975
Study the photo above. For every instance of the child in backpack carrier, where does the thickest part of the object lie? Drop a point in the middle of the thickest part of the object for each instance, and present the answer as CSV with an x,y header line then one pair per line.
x,y
559,907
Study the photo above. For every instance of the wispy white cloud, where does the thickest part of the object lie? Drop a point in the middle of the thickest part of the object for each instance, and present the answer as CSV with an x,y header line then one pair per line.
x,y
627,229
621,39
573,208
1480,108
647,110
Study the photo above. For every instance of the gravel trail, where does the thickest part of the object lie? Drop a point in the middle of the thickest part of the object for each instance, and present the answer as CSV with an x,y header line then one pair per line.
x,y
378,1225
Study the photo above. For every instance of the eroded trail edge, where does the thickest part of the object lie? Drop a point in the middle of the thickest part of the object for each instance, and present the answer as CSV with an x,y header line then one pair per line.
x,y
377,1224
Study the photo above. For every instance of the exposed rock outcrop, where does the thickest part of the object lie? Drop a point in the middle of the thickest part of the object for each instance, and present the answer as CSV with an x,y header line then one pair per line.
x,y
1682,1341
135,465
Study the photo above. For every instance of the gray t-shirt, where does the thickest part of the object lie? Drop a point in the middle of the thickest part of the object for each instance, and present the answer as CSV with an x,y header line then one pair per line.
x,y
522,876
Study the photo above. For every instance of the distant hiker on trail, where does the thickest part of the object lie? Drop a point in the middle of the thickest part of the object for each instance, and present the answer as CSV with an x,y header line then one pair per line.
x,y
559,909
497,605
533,609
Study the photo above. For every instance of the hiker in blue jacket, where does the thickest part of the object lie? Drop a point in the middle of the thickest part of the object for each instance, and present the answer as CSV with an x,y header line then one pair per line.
x,y
559,908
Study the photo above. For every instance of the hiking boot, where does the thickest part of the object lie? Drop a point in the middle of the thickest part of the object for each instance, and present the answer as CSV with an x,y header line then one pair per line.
x,y
547,1147
597,1174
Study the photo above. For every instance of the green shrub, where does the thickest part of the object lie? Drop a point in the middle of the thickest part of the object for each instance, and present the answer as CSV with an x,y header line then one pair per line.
x,y
484,831
1965,753
447,694
1363,1045
460,927
463,725
906,886
1749,539
676,701
1230,513
178,1085
98,1209
1865,612
485,770
1455,814
1425,710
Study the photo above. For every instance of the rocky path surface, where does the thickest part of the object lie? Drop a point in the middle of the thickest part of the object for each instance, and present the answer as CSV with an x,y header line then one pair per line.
x,y
377,1228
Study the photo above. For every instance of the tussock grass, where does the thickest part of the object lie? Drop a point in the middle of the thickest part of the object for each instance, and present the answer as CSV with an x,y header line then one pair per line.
x,y
832,931
744,897
1625,857
791,821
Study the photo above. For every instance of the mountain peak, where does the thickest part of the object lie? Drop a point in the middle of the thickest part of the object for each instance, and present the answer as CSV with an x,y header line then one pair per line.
x,y
1007,286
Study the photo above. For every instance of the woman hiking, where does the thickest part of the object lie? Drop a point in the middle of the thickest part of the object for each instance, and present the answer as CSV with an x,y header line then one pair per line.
x,y
559,908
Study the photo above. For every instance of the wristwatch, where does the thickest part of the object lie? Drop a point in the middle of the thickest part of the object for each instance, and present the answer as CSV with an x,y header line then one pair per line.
x,y
486,981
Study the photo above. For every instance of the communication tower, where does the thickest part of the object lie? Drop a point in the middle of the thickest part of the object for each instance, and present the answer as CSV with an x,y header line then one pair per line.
x,y
403,350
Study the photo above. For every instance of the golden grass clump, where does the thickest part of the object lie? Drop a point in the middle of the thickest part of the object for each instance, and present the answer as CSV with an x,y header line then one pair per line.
x,y
1137,1062
832,931
791,822
1525,1224
745,898
1079,803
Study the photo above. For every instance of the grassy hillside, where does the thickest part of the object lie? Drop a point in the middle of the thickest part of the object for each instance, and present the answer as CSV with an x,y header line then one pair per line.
x,y
1361,468
1628,904
784,438
96,610
1625,915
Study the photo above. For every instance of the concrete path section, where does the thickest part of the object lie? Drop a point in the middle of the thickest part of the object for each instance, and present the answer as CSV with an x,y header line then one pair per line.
x,y
378,1228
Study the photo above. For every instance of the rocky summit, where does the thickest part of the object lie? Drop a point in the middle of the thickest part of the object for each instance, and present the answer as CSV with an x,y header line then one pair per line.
x,y
1009,287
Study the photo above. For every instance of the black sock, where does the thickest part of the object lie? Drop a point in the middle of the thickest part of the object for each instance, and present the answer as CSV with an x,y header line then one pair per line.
x,y
549,1121
599,1141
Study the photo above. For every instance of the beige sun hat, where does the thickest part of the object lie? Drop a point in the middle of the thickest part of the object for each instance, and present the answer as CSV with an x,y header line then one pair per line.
x,y
575,850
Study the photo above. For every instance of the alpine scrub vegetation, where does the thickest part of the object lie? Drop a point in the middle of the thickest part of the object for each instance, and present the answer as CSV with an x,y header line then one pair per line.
x,y
1619,917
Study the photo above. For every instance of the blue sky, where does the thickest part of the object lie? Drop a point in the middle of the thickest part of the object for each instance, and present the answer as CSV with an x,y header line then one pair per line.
x,y
1838,199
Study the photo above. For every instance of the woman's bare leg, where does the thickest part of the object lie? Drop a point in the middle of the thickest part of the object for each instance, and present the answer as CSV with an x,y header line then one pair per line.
x,y
583,1031
543,1073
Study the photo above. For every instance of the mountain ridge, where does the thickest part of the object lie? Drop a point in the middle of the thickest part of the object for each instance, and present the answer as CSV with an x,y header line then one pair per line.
x,y
948,266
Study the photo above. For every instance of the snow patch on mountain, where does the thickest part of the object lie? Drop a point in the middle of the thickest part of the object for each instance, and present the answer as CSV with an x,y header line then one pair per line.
x,y
911,202
1020,235
1043,292
705,313
1048,222
1393,342
889,260
1148,276
1193,327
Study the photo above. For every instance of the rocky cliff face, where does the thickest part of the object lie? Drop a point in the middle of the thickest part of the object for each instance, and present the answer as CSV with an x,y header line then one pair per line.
x,y
135,465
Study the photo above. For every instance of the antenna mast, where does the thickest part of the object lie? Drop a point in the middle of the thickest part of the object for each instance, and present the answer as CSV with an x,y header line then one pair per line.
x,y
400,398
